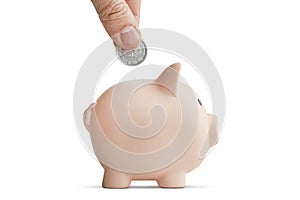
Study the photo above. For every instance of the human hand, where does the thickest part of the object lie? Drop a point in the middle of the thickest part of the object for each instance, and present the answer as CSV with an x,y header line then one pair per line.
x,y
120,19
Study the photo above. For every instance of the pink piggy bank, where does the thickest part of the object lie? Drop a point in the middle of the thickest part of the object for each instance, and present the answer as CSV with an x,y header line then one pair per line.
x,y
150,130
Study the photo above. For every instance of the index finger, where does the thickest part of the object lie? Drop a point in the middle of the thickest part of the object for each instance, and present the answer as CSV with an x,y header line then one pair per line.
x,y
135,7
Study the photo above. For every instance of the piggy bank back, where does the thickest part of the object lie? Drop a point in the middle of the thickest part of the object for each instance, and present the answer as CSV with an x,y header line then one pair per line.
x,y
150,130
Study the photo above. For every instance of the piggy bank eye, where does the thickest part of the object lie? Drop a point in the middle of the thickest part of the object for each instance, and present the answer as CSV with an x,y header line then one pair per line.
x,y
199,102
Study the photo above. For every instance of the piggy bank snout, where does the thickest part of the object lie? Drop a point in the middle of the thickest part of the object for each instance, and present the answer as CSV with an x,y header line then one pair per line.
x,y
212,136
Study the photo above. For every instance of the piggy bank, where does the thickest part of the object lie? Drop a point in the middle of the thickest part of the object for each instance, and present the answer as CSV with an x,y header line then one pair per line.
x,y
150,130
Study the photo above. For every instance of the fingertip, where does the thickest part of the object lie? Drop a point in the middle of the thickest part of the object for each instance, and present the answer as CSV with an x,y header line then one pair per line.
x,y
128,38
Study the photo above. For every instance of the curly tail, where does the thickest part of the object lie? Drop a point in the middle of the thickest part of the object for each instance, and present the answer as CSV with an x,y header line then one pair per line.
x,y
87,116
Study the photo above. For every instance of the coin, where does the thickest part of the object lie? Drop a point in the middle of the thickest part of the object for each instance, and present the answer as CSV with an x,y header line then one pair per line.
x,y
132,57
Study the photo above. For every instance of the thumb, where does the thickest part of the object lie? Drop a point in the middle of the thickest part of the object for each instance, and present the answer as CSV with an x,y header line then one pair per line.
x,y
119,22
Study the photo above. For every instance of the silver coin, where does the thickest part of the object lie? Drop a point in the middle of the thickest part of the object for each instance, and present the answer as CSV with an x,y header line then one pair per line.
x,y
132,57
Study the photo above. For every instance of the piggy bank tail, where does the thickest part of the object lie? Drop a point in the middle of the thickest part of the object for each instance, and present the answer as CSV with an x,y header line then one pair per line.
x,y
87,116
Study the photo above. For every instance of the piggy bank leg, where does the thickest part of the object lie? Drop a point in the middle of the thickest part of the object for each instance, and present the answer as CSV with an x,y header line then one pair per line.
x,y
172,180
115,179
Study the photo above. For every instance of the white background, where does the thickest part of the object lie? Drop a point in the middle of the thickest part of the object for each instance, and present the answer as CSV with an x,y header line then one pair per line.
x,y
255,46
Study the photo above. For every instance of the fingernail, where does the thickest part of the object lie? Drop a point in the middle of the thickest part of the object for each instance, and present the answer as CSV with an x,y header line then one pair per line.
x,y
128,38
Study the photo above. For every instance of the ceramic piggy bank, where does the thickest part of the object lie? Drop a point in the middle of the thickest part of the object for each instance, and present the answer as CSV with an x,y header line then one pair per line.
x,y
150,130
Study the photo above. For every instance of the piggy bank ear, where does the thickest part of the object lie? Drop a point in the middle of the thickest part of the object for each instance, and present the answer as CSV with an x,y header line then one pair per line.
x,y
169,77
